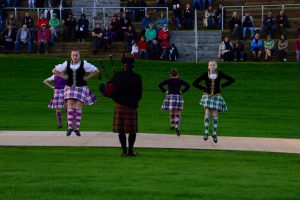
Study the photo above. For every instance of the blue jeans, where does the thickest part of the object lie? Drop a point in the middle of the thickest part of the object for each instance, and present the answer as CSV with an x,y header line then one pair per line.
x,y
239,55
29,46
245,29
178,22
143,54
220,19
210,22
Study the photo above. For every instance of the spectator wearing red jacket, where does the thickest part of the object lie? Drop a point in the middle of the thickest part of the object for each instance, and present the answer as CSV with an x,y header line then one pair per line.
x,y
143,48
43,38
42,20
164,33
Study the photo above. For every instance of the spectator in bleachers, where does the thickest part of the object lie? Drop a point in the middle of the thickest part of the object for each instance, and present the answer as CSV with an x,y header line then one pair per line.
x,y
48,13
116,27
132,13
150,33
155,50
283,48
256,47
164,33
70,28
42,20
248,25
143,48
269,45
9,36
43,38
239,52
2,23
97,36
31,4
188,17
298,31
124,23
143,5
282,22
83,28
226,49
130,37
219,16
145,23
23,38
54,24
165,48
16,3
135,51
162,20
11,20
29,21
107,37
173,53
209,18
269,24
161,3
177,11
297,48
235,25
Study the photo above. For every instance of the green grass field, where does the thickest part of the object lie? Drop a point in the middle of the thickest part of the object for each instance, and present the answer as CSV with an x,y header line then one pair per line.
x,y
264,101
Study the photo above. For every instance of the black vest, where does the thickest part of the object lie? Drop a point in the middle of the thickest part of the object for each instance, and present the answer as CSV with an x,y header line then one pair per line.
x,y
75,78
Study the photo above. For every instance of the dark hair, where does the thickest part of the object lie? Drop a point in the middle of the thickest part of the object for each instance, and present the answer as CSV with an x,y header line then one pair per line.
x,y
174,72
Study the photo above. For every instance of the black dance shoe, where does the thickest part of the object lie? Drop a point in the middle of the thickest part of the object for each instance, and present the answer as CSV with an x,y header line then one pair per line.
x,y
132,154
172,128
123,154
69,132
177,131
205,137
59,126
77,132
215,138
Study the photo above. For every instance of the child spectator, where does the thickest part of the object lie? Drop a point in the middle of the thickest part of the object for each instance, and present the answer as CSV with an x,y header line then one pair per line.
x,y
239,53
135,51
143,48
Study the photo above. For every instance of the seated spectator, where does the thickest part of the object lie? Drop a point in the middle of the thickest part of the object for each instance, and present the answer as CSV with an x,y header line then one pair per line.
x,y
145,23
97,36
209,16
70,28
220,18
177,11
83,28
54,24
135,50
283,48
130,37
28,20
256,47
11,20
23,38
42,20
165,49
141,11
9,36
235,25
269,24
282,22
269,45
248,25
124,23
226,49
116,28
107,37
239,52
48,13
297,48
132,13
163,34
155,50
162,20
188,17
161,3
43,38
143,48
173,53
150,33
1,22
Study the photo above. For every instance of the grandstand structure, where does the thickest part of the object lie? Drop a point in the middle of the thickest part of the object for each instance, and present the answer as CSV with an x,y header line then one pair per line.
x,y
101,11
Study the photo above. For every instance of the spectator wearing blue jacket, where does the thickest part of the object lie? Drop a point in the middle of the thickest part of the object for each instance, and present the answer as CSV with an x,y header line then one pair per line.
x,y
145,23
256,47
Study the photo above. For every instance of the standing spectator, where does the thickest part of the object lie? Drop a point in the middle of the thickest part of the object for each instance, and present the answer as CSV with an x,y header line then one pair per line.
x,y
282,22
161,21
11,20
226,49
150,33
235,25
269,24
132,12
177,11
70,28
188,17
256,47
248,25
143,48
239,52
9,36
209,16
97,36
283,48
54,24
83,28
220,18
130,37
23,38
269,45
297,48
145,23
42,20
107,37
43,38
124,23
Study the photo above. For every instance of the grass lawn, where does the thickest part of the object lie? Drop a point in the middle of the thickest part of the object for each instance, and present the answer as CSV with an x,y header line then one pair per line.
x,y
264,101
99,173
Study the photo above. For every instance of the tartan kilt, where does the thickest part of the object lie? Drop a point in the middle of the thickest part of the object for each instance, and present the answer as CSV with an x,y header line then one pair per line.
x,y
125,120
57,101
173,102
215,102
82,94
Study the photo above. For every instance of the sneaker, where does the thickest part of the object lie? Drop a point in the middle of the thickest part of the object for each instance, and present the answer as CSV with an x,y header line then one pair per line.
x,y
215,138
177,131
77,132
69,132
205,137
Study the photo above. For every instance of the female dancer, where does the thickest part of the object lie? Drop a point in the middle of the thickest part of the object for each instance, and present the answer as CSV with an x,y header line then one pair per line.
x,y
173,101
212,101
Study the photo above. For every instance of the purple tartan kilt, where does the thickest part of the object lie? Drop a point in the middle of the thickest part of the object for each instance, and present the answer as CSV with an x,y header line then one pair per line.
x,y
57,101
82,94
173,102
125,120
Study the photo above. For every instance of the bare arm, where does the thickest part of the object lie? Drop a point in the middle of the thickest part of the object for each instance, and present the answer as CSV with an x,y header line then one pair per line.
x,y
90,75
60,74
46,82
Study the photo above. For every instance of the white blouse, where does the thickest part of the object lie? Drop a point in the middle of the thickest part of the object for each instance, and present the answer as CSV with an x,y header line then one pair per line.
x,y
88,67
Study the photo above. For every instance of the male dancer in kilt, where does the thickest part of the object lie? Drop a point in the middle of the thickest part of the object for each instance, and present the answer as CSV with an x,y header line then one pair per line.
x,y
173,101
57,100
212,101
127,94
76,91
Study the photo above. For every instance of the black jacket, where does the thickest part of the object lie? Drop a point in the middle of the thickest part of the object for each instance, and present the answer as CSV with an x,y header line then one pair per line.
x,y
127,88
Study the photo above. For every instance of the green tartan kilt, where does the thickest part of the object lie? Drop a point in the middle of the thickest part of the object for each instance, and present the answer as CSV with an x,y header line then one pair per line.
x,y
215,102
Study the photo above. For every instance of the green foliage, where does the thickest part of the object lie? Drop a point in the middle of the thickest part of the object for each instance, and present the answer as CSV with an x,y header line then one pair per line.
x,y
264,101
